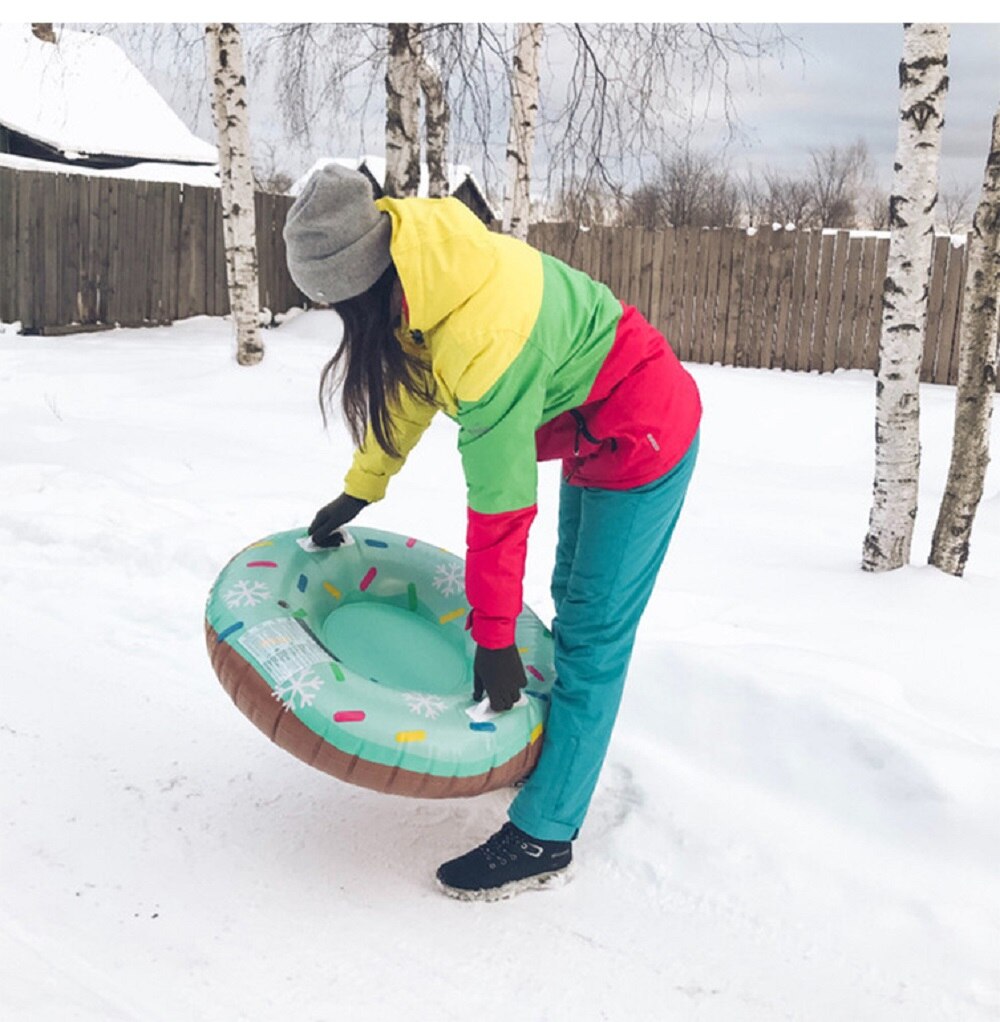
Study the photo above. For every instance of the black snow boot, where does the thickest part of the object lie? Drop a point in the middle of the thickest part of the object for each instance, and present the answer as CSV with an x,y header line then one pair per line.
x,y
506,864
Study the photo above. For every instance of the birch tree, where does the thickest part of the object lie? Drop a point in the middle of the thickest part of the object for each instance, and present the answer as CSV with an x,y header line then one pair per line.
x,y
977,376
437,117
232,122
402,111
923,82
521,132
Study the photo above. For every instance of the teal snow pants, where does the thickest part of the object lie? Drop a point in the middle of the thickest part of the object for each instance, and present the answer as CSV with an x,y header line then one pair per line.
x,y
611,546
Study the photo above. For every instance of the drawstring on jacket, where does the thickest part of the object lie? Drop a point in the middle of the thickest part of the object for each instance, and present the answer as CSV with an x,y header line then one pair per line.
x,y
582,430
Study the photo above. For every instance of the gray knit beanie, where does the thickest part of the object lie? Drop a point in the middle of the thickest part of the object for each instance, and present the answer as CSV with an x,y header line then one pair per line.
x,y
337,241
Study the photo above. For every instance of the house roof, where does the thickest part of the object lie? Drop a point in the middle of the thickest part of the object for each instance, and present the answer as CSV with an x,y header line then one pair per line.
x,y
458,174
200,175
84,97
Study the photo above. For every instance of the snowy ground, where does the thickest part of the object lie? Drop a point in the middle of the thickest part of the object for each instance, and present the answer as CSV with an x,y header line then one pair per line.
x,y
797,820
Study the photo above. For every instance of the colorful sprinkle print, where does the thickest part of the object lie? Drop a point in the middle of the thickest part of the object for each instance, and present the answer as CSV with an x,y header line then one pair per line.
x,y
262,564
411,542
368,579
451,616
302,583
377,543
482,725
226,632
411,596
349,716
535,673
536,733
411,736
332,590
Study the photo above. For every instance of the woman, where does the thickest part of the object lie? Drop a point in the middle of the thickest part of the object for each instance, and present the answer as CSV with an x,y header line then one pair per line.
x,y
535,361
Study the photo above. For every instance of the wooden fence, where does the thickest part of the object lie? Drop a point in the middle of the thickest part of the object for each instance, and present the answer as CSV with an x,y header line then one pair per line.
x,y
77,251
806,300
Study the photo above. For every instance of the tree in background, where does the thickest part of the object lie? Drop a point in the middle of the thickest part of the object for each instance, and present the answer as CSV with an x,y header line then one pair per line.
x,y
437,121
836,178
691,189
923,83
593,205
645,207
402,111
873,207
412,72
785,200
267,177
955,208
835,191
43,30
977,376
232,120
696,188
683,179
629,92
521,133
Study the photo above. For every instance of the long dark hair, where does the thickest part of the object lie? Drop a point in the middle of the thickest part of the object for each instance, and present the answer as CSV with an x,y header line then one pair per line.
x,y
371,367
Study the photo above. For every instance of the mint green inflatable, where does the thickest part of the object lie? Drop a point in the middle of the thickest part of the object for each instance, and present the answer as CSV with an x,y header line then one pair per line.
x,y
357,660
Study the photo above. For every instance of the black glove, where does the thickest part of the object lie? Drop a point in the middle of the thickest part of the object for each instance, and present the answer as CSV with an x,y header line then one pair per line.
x,y
330,518
500,674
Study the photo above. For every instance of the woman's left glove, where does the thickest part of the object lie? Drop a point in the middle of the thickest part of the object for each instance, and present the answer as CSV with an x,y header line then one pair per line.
x,y
500,674
329,519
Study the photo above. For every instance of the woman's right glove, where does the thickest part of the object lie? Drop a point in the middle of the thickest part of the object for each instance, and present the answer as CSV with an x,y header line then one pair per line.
x,y
499,674
324,530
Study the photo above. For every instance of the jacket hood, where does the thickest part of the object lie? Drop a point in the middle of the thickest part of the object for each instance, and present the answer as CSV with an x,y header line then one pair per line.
x,y
443,253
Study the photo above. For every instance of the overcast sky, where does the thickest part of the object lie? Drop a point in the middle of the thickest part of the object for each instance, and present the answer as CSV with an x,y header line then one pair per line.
x,y
845,85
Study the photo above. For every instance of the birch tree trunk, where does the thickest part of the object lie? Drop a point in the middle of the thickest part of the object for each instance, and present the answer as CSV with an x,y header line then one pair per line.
x,y
923,83
232,122
521,132
436,123
977,376
402,111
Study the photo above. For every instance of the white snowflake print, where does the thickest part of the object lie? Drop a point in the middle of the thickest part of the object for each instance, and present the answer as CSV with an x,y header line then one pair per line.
x,y
246,594
303,684
424,705
448,579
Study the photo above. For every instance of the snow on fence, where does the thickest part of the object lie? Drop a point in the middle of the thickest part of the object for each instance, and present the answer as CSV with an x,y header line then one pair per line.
x,y
79,251
806,300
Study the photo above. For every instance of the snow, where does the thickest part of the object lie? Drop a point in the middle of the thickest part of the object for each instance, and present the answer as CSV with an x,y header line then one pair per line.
x,y
957,240
84,96
797,818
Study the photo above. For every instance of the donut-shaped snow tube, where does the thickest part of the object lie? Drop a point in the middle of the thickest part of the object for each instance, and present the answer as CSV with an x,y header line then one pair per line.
x,y
356,659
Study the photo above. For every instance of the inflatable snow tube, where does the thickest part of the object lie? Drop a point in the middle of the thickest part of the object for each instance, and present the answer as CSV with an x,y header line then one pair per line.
x,y
356,659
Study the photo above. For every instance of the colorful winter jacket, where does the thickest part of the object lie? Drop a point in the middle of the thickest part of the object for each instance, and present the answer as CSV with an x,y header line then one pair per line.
x,y
534,360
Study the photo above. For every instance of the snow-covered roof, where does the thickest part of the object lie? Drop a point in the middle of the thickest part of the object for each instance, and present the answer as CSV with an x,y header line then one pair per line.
x,y
201,175
83,96
458,173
